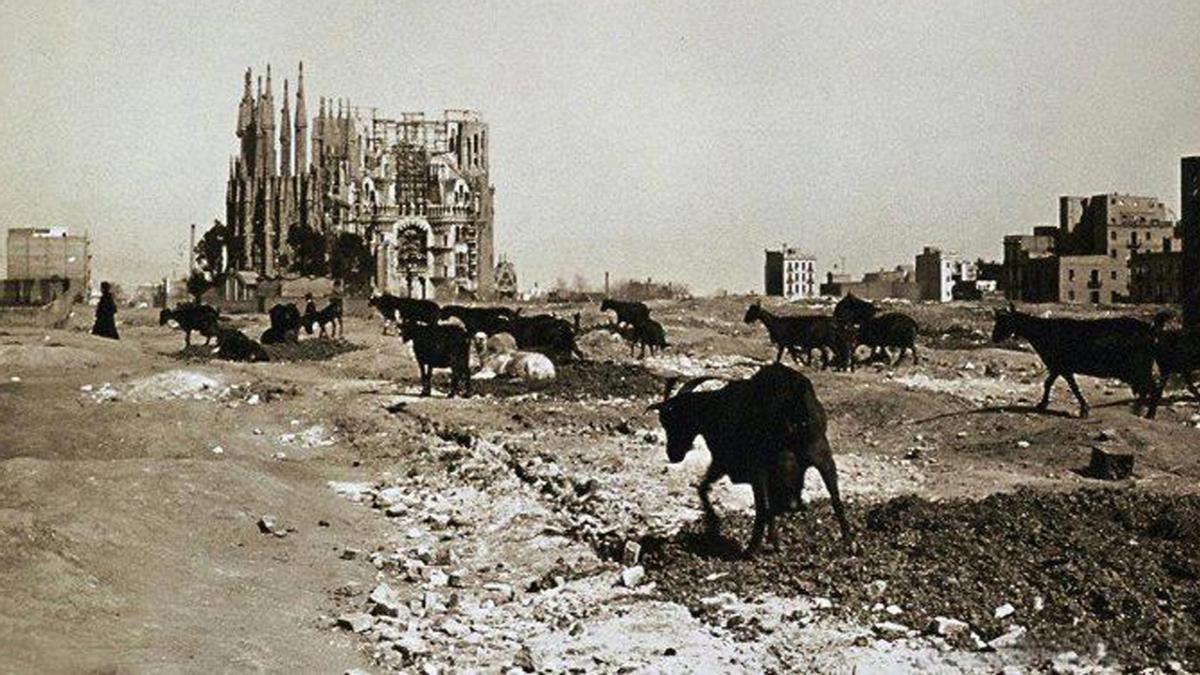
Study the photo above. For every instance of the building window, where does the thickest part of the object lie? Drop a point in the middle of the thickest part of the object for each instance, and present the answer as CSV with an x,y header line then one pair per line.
x,y
1113,253
1071,295
1071,275
1114,275
1095,297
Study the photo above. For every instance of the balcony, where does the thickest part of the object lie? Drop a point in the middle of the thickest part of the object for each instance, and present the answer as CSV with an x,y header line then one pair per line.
x,y
1095,284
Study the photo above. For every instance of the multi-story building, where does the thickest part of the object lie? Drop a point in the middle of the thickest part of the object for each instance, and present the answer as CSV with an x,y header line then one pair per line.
x,y
898,283
1064,264
1189,199
417,190
1156,277
1030,271
1091,279
1116,225
790,273
938,271
43,262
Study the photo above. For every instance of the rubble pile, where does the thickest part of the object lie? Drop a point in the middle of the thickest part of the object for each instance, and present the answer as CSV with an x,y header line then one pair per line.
x,y
580,380
1028,569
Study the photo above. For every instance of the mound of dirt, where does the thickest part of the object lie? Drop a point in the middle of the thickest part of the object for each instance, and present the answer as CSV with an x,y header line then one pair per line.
x,y
1094,566
316,349
50,356
577,380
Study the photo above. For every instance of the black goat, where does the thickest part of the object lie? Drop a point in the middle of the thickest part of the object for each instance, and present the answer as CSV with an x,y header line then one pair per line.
x,y
285,324
629,312
486,320
550,335
1177,353
647,333
766,431
853,311
395,309
330,315
890,330
1120,348
440,346
800,335
192,317
234,345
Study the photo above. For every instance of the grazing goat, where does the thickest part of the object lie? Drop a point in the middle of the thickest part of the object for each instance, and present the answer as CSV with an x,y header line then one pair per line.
x,y
1177,352
627,312
647,333
1121,348
234,345
192,317
487,320
330,315
285,324
766,431
440,346
890,330
550,335
395,309
799,335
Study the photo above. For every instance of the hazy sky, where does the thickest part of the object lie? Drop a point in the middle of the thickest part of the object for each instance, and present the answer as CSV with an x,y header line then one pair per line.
x,y
648,139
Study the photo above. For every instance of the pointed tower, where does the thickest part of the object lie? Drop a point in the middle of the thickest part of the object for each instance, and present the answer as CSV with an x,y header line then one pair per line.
x,y
285,136
301,126
268,118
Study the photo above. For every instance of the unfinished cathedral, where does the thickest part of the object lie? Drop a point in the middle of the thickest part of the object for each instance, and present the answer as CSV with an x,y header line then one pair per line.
x,y
415,189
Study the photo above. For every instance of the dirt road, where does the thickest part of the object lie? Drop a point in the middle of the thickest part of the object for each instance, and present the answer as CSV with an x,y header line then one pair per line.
x,y
134,483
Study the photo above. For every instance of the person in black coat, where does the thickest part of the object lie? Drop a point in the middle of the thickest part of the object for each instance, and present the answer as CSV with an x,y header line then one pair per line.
x,y
106,314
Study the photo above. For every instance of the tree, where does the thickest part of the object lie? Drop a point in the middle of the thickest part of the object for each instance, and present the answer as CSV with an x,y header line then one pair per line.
x,y
351,262
308,250
210,250
197,283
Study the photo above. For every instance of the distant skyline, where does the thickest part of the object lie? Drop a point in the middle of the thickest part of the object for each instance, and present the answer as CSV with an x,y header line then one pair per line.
x,y
649,139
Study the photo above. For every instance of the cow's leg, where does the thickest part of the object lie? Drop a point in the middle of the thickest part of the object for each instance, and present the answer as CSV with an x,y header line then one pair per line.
x,y
187,338
1156,396
762,512
916,359
1050,380
822,459
1083,406
426,379
710,516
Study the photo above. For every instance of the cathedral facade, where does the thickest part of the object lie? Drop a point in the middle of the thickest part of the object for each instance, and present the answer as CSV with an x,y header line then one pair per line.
x,y
415,189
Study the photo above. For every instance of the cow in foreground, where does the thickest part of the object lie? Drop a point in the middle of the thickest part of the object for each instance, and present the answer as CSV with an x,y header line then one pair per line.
x,y
765,431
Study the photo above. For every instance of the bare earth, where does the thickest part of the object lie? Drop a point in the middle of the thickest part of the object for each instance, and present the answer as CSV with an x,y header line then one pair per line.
x,y
133,479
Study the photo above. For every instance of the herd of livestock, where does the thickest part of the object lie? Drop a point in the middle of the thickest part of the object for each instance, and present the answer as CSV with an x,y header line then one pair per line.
x,y
767,430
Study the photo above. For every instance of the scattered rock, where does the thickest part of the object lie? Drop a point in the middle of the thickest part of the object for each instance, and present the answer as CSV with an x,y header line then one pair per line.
x,y
1010,639
631,577
947,627
1109,466
632,554
386,600
890,630
359,622
1004,611
268,525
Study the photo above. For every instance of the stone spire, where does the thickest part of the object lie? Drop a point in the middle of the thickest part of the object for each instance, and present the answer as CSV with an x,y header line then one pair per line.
x,y
285,136
301,125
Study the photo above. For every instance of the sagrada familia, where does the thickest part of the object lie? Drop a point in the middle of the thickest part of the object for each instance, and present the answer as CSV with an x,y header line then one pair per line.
x,y
416,190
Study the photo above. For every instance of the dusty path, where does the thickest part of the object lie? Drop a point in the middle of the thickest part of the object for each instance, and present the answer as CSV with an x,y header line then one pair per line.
x,y
131,544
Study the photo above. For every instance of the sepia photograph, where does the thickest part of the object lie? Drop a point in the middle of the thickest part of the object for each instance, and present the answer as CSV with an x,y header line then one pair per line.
x,y
600,336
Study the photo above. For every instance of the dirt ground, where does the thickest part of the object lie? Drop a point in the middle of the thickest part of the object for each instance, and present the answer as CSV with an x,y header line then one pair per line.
x,y
164,511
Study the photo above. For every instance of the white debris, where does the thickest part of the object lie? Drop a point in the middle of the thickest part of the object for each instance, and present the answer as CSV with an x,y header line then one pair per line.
x,y
1004,611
